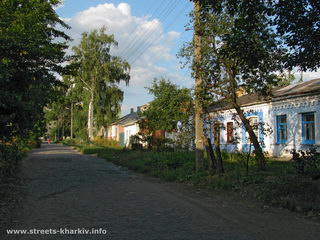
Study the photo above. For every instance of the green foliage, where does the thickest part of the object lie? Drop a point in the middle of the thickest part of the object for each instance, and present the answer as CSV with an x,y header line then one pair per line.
x,y
239,49
58,112
97,76
104,142
9,158
307,163
298,22
152,143
71,142
185,137
31,52
295,193
170,105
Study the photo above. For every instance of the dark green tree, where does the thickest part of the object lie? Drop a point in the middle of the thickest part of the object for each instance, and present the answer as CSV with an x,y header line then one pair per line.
x,y
32,48
298,23
171,105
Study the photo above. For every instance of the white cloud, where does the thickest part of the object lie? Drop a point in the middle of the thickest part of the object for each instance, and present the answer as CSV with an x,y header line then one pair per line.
x,y
141,40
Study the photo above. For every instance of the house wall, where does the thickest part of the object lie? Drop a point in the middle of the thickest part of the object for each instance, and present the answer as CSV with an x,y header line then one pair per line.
x,y
293,109
267,114
130,130
241,137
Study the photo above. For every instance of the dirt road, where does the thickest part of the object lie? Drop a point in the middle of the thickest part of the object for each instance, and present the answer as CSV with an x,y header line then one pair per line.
x,y
67,190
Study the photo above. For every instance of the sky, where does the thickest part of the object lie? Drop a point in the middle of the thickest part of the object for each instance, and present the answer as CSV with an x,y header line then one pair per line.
x,y
149,35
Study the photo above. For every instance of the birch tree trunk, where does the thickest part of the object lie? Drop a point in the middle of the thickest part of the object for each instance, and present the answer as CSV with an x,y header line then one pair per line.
x,y
90,118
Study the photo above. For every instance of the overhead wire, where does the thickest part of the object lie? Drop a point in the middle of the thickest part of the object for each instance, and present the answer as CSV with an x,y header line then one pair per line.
x,y
134,31
149,32
155,38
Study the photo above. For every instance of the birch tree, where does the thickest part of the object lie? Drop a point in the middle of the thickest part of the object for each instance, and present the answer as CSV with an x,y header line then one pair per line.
x,y
98,76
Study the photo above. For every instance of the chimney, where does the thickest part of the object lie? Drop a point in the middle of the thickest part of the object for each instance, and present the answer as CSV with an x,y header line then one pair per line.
x,y
131,110
139,109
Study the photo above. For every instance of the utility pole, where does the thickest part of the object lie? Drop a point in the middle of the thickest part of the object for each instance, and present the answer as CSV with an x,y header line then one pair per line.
x,y
199,135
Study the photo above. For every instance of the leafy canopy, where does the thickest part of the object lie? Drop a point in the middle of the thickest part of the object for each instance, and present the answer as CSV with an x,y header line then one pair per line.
x,y
32,49
98,75
171,104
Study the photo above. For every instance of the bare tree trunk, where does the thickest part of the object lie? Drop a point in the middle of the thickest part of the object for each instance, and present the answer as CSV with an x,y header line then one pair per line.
x,y
211,157
253,138
90,118
199,135
220,168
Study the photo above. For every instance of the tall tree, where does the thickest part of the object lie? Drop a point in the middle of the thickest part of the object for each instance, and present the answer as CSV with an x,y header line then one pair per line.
x,y
31,52
98,76
239,50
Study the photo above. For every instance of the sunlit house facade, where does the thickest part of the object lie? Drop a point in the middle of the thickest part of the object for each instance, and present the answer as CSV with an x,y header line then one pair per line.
x,y
290,119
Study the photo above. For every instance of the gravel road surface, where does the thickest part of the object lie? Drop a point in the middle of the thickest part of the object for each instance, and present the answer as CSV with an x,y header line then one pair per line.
x,y
65,190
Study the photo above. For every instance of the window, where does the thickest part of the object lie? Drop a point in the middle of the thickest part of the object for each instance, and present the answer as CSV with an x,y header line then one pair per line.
x,y
308,128
230,138
282,135
254,124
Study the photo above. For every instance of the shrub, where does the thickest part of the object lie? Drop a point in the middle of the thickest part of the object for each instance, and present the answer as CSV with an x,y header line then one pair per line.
x,y
307,162
290,192
71,142
158,144
9,158
104,142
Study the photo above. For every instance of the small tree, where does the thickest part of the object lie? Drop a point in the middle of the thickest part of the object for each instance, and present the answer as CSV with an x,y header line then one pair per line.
x,y
171,105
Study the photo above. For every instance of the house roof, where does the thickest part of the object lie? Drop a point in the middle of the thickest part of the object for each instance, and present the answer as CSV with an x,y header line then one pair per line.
x,y
312,86
128,119
293,90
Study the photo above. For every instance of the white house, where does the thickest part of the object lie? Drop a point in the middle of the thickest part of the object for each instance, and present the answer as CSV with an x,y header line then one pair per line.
x,y
125,127
290,119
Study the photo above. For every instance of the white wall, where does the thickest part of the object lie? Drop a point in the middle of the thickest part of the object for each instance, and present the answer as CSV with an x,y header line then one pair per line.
x,y
129,131
267,113
293,108
260,111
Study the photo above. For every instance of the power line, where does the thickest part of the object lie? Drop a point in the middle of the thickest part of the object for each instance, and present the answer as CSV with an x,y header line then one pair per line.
x,y
152,42
148,33
129,41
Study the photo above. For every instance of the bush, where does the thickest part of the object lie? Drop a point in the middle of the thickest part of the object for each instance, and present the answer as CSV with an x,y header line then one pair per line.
x,y
291,192
71,141
104,142
307,163
9,158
